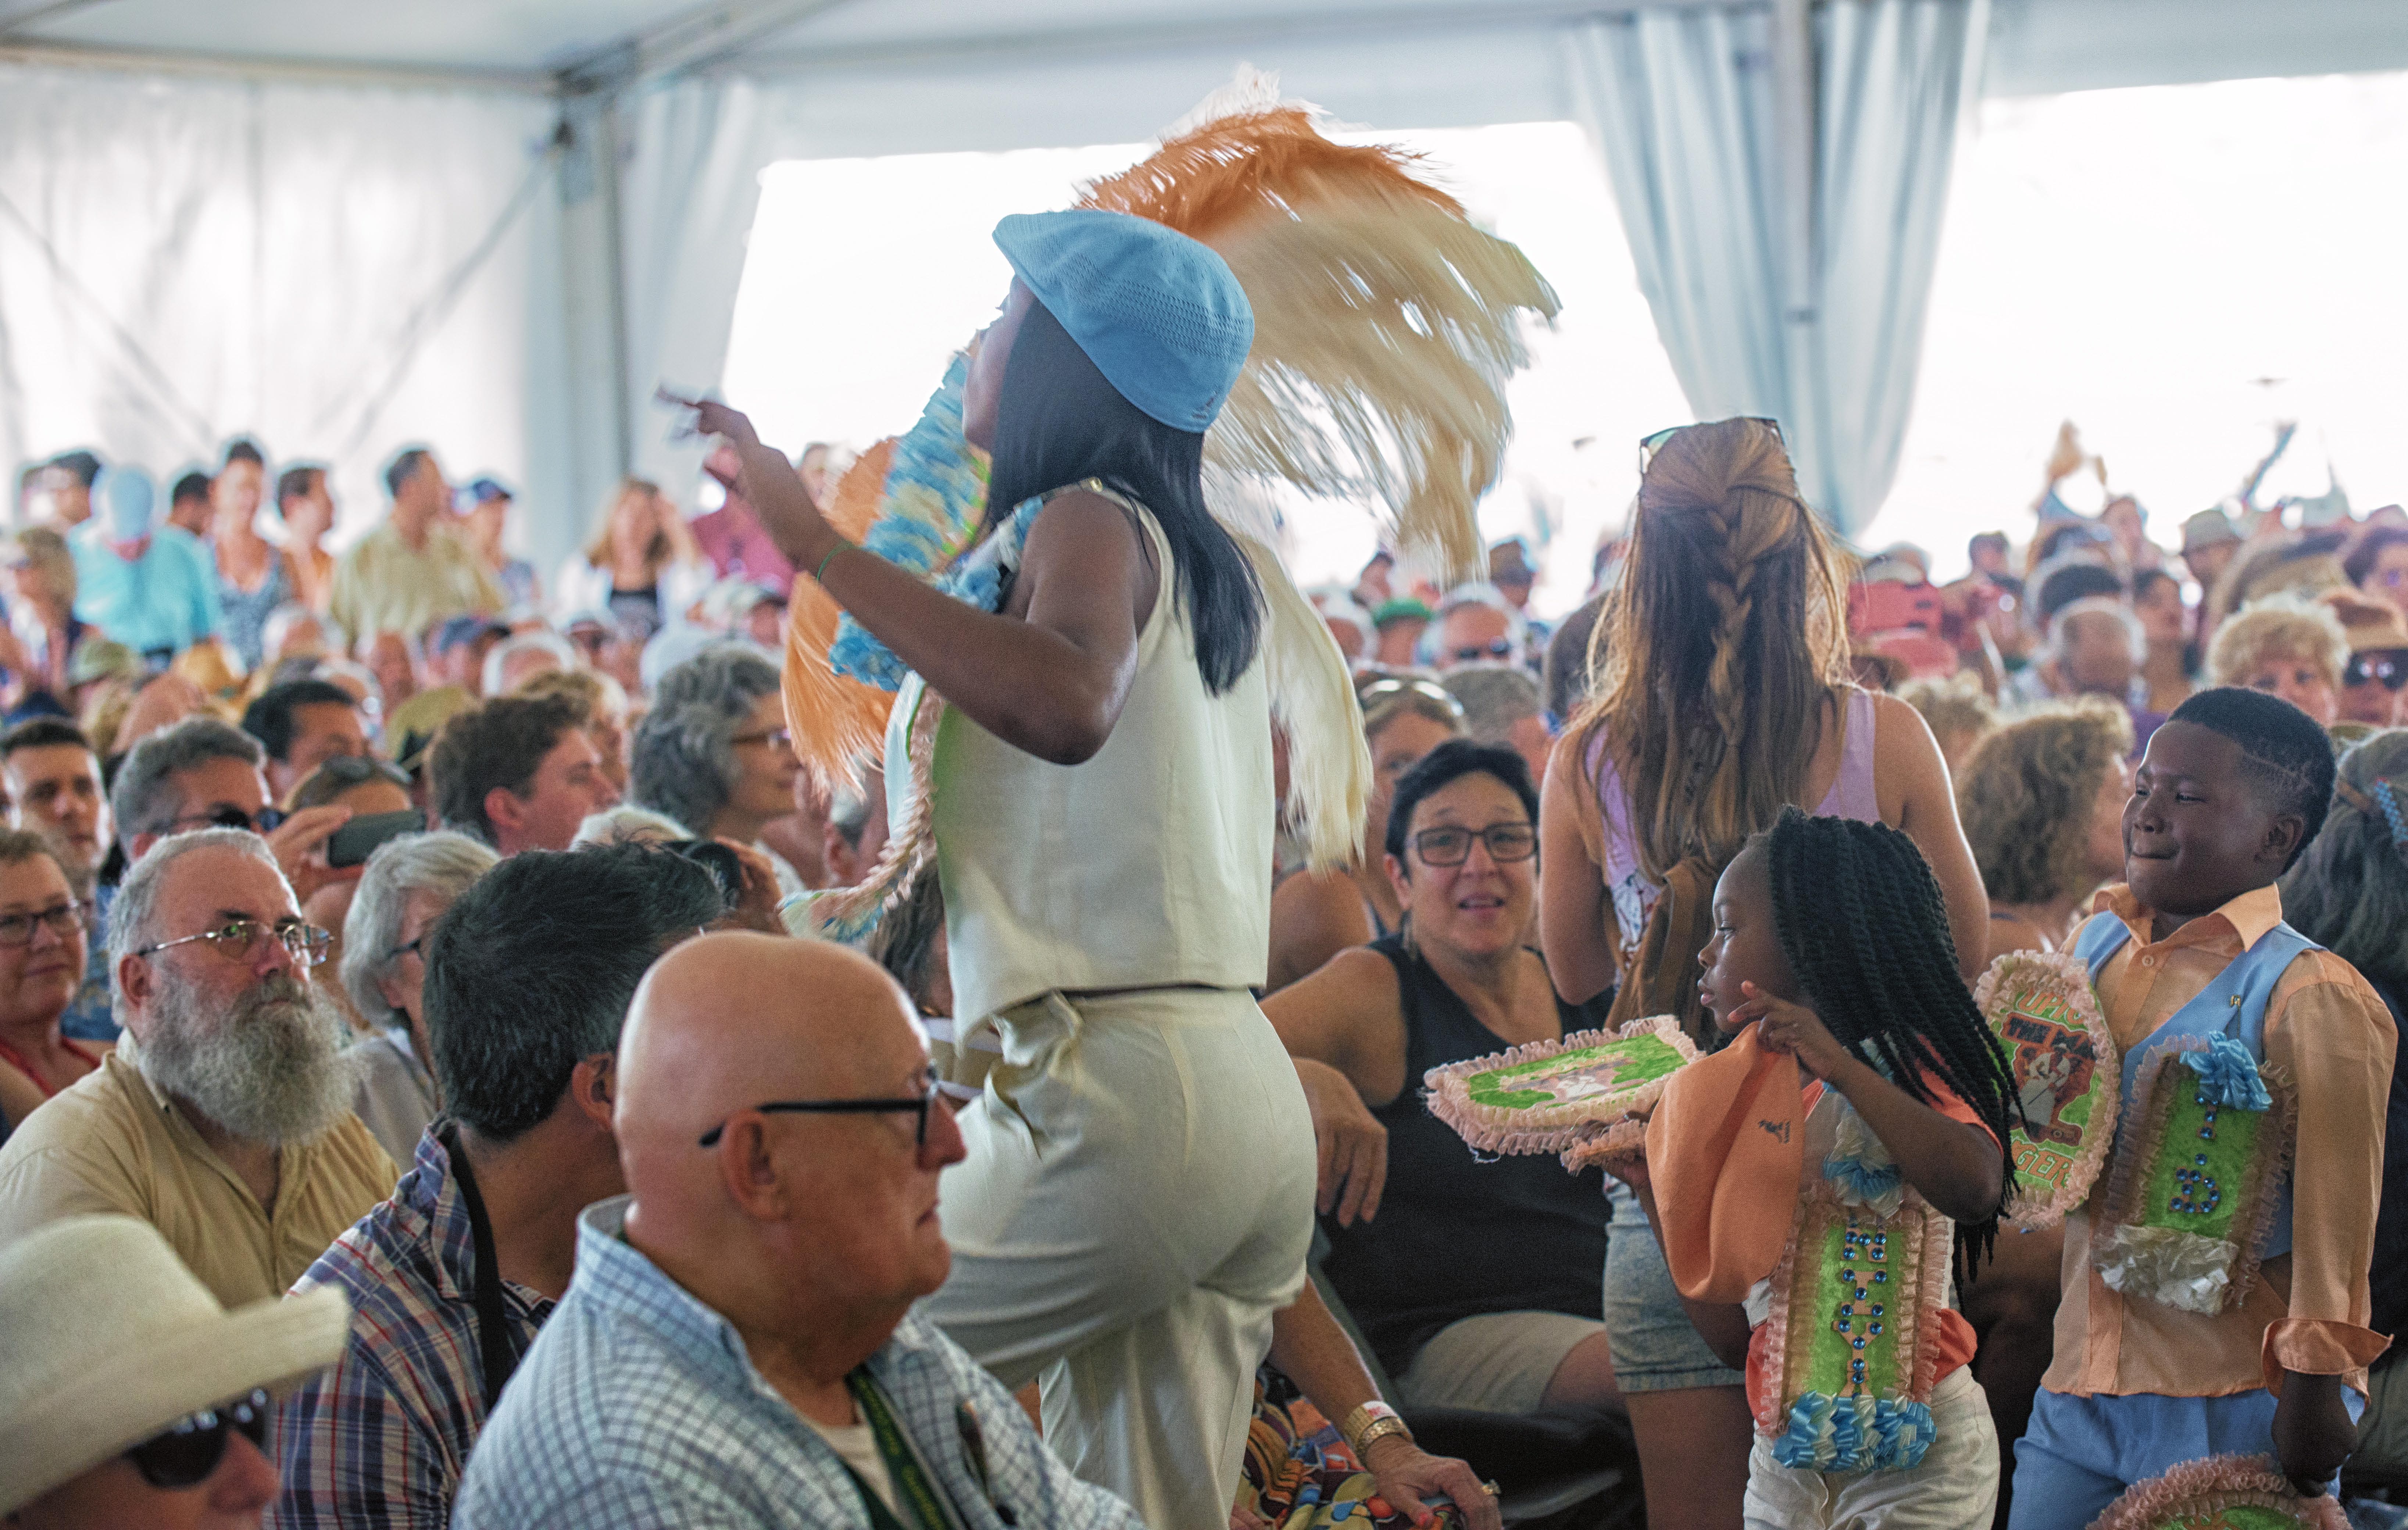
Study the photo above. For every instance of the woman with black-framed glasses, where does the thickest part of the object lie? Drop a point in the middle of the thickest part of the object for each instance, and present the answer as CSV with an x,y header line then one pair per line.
x,y
1475,1281
43,929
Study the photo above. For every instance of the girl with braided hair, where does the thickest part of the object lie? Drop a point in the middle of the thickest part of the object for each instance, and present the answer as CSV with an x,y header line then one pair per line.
x,y
1723,696
1831,938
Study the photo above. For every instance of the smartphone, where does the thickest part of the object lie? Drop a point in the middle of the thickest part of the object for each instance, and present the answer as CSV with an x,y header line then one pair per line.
x,y
355,841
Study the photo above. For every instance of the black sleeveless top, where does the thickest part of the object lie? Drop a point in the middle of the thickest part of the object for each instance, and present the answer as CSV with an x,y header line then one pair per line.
x,y
1457,1235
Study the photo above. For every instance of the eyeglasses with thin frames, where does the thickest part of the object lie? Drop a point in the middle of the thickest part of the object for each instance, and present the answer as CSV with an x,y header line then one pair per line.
x,y
919,1107
240,940
774,737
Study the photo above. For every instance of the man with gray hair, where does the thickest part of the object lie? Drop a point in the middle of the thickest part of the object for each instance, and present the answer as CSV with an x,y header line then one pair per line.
x,y
409,884
1502,704
225,1121
204,773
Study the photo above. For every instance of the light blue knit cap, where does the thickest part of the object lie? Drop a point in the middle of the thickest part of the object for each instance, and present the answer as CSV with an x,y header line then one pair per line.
x,y
126,497
1159,314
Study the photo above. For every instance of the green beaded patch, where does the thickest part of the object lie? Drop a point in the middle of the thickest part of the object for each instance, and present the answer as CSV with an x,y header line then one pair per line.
x,y
1569,1078
2195,1180
2237,1517
1849,1325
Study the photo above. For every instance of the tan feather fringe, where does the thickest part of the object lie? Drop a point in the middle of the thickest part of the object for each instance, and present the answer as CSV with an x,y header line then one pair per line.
x,y
1313,702
1385,324
836,722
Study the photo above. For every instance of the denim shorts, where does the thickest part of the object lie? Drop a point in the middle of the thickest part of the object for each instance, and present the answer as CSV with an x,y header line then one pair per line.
x,y
1656,1349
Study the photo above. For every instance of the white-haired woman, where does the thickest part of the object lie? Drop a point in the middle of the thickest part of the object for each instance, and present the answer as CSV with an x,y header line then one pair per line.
x,y
408,884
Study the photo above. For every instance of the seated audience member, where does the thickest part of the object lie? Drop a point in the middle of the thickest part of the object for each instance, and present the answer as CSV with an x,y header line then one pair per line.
x,y
2098,649
187,503
41,969
2371,681
1476,1283
69,480
2377,566
392,659
737,1346
1399,624
2042,804
602,709
1568,673
306,508
231,1129
732,536
41,615
203,772
1350,624
484,509
1475,625
408,885
132,1397
518,773
628,824
1317,914
2209,542
2286,647
518,659
1960,717
1503,706
146,585
457,649
52,778
526,981
302,724
2169,670
714,751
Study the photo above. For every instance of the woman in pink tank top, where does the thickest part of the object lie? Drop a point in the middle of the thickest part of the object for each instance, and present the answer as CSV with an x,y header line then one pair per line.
x,y
1723,696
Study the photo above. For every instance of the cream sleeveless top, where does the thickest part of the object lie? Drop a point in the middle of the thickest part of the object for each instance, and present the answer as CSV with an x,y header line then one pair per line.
x,y
1148,865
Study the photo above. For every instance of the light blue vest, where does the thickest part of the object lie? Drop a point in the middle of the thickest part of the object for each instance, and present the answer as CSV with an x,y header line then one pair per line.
x,y
2232,1004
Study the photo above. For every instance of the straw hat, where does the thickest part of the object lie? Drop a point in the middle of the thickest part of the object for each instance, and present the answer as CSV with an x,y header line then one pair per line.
x,y
105,1339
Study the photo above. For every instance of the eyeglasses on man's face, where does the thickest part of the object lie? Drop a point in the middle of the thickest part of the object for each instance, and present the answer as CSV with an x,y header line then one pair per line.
x,y
2383,666
1452,847
64,919
1496,648
242,939
187,1452
918,1105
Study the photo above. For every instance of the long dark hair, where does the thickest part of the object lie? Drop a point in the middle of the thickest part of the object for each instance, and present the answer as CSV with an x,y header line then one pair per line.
x,y
1059,421
1860,919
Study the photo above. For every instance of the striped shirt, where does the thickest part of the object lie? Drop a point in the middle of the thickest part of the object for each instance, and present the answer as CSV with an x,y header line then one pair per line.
x,y
380,1439
639,1409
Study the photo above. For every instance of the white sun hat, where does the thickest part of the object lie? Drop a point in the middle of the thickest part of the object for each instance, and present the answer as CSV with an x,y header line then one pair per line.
x,y
105,1339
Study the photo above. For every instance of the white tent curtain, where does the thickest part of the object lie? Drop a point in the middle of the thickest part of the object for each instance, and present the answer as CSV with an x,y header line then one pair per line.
x,y
1680,104
338,271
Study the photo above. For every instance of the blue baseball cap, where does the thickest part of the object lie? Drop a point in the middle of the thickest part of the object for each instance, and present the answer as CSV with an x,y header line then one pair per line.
x,y
1160,315
127,497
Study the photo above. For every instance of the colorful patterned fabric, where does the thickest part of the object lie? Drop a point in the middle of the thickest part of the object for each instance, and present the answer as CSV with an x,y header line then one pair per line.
x,y
1299,1474
382,1440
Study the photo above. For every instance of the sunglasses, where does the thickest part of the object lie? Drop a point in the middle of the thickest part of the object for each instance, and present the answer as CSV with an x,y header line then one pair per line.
x,y
2383,666
186,1452
1649,445
919,1106
1390,691
1496,648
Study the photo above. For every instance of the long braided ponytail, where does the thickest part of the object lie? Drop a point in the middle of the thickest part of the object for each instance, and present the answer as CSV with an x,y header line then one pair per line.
x,y
1718,652
1860,918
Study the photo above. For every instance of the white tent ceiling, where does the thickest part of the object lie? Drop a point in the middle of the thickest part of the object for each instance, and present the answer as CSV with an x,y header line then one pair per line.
x,y
2036,47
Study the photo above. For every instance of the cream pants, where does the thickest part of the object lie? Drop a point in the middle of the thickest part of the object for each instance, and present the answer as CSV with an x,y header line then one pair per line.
x,y
1955,1487
1136,1205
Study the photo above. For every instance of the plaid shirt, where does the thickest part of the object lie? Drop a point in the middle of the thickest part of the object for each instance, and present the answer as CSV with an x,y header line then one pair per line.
x,y
381,1440
637,1410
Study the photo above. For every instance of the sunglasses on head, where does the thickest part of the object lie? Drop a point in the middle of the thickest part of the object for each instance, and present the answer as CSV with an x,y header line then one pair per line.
x,y
186,1452
2383,666
1649,445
